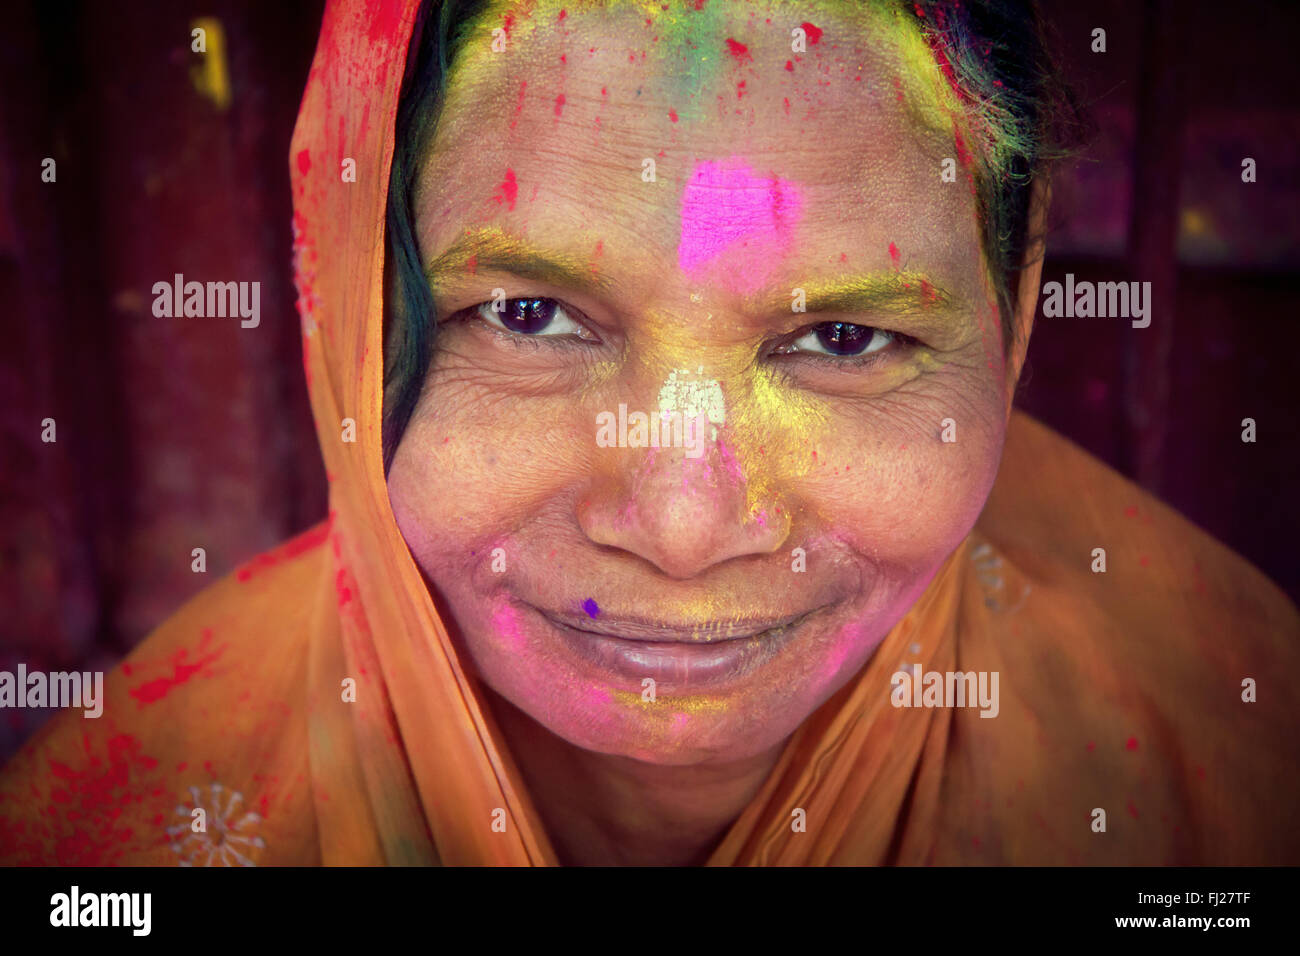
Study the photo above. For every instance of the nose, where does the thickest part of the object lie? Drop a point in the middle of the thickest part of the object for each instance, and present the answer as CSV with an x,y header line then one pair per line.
x,y
683,514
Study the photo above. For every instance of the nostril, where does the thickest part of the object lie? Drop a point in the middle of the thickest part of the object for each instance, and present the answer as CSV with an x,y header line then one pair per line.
x,y
682,535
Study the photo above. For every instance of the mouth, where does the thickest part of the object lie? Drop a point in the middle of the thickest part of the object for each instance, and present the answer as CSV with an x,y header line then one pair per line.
x,y
677,657
665,632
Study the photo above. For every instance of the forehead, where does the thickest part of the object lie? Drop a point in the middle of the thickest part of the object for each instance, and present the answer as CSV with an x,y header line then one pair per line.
x,y
623,124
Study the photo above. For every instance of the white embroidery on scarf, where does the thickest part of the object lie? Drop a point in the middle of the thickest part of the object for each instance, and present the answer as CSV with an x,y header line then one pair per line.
x,y
222,836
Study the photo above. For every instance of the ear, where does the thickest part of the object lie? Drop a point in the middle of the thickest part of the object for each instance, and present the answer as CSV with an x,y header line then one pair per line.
x,y
1031,274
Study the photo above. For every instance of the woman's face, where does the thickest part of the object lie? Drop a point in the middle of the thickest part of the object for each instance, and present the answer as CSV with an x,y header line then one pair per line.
x,y
649,196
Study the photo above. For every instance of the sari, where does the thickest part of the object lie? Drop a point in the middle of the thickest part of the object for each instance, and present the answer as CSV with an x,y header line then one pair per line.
x,y
314,708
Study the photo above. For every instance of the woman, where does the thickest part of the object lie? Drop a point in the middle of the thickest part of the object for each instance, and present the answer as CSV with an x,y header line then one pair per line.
x,y
679,513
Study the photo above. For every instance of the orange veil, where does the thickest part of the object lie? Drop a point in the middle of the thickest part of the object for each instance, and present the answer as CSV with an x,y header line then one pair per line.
x,y
428,769
1120,691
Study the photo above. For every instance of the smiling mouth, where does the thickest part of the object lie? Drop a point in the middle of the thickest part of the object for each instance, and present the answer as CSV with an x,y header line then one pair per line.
x,y
681,658
665,632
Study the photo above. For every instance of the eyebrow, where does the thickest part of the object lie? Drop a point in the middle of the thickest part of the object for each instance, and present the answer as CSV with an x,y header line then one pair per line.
x,y
888,293
494,250
893,293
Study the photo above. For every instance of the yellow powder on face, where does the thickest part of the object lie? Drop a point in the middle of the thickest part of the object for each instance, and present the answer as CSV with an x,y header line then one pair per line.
x,y
666,709
775,431
669,716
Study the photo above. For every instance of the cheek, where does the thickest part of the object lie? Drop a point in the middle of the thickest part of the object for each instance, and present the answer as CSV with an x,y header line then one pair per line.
x,y
477,461
889,484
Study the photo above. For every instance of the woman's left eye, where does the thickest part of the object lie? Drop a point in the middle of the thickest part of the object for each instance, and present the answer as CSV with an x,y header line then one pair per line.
x,y
532,316
841,339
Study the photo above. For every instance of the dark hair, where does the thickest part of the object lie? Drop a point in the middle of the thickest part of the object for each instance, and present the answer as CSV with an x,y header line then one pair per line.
x,y
995,54
1019,112
409,322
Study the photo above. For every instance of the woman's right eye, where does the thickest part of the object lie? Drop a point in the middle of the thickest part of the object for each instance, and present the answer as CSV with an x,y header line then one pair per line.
x,y
531,316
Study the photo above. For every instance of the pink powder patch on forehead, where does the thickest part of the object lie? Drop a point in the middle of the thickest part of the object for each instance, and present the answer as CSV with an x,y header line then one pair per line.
x,y
724,205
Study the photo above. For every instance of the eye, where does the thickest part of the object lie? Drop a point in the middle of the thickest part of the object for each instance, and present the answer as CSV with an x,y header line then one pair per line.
x,y
841,339
533,316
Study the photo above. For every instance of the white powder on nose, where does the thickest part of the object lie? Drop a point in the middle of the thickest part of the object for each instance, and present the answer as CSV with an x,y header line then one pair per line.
x,y
691,394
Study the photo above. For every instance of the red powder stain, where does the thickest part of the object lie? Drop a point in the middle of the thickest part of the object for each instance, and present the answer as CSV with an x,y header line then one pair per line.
x,y
604,92
563,14
126,669
304,162
340,585
182,765
1092,745
928,293
699,4
844,257
1131,744
974,841
290,549
893,254
564,58
1132,809
898,89
508,190
789,65
559,105
963,154
472,263
507,22
739,51
1143,560
1131,511
672,115
786,102
814,33
153,691
385,24
97,793
740,89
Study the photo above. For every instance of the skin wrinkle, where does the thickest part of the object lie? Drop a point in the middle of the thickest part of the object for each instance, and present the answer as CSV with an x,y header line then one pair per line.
x,y
839,458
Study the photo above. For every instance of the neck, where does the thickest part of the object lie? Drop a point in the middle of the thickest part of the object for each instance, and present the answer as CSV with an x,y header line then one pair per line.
x,y
603,809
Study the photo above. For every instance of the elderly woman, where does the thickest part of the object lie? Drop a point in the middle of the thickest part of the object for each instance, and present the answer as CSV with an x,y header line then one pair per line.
x,y
662,358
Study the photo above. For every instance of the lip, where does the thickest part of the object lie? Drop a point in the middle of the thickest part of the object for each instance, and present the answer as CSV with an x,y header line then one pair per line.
x,y
689,658
663,632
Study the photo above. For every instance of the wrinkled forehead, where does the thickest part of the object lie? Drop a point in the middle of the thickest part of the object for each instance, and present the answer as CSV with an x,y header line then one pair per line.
x,y
589,105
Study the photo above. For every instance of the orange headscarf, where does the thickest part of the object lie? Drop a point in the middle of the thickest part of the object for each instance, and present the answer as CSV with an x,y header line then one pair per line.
x,y
314,707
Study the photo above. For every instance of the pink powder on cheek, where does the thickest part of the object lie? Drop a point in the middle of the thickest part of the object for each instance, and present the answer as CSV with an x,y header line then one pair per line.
x,y
725,205
505,621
